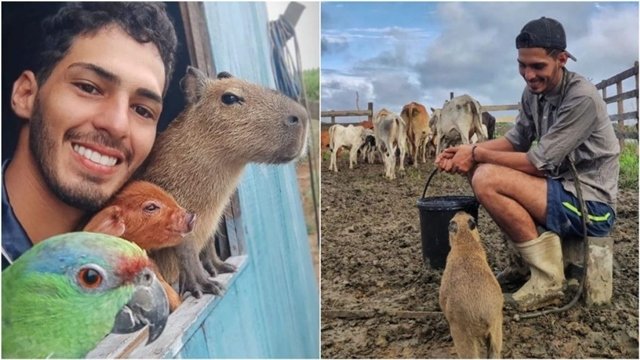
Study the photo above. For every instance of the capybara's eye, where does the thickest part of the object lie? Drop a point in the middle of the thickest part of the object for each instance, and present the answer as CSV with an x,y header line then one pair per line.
x,y
472,223
230,99
151,207
453,227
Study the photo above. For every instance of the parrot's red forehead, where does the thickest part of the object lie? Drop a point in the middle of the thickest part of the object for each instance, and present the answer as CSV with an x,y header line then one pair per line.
x,y
131,266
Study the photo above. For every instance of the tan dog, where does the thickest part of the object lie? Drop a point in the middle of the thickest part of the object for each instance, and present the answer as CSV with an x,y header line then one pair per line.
x,y
470,296
148,216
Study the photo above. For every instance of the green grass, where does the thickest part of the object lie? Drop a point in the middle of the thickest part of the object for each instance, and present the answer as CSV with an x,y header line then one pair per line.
x,y
628,160
629,167
311,80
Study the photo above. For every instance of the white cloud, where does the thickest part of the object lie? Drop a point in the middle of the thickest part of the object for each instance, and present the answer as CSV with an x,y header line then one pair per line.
x,y
474,51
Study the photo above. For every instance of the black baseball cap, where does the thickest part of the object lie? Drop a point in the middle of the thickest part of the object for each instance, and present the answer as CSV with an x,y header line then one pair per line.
x,y
543,33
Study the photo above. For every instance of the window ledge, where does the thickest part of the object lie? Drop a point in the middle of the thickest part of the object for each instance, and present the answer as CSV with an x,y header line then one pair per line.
x,y
180,326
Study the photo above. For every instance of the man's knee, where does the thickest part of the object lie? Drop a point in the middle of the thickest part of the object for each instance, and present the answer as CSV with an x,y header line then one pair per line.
x,y
485,178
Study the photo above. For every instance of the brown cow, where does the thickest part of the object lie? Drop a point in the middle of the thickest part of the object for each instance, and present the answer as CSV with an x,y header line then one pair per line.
x,y
324,139
417,119
366,124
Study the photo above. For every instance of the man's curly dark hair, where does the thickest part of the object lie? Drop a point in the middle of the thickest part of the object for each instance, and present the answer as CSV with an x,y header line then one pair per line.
x,y
143,21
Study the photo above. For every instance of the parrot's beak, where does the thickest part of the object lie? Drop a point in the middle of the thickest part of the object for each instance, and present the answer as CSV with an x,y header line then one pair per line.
x,y
148,306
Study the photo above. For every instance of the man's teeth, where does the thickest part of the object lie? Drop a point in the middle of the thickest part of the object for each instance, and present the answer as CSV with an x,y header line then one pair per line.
x,y
95,156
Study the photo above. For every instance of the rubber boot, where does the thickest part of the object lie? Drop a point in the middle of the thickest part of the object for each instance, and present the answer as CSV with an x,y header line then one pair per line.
x,y
516,273
544,256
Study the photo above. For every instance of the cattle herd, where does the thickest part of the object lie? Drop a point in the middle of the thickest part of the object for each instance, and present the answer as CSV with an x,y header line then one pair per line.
x,y
414,132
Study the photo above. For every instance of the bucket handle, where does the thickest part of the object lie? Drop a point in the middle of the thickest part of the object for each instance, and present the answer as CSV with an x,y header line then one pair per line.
x,y
428,181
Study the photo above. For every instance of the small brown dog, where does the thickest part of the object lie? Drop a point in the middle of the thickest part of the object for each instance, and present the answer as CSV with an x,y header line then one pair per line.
x,y
147,215
470,295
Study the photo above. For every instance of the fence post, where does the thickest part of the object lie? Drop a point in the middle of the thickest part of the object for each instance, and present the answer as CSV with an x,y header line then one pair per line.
x,y
635,65
370,108
620,112
333,119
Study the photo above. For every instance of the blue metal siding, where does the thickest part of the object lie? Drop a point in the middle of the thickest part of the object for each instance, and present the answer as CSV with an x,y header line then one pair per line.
x,y
272,308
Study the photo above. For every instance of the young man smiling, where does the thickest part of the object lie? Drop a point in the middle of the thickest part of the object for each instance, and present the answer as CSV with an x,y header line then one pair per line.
x,y
524,185
90,113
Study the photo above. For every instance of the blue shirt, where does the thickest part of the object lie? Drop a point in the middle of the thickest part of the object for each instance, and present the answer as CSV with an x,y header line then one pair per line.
x,y
14,239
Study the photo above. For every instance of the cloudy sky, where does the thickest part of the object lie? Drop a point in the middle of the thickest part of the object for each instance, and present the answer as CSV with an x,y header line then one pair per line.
x,y
394,53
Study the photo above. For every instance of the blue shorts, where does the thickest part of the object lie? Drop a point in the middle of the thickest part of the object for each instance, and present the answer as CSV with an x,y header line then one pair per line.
x,y
564,216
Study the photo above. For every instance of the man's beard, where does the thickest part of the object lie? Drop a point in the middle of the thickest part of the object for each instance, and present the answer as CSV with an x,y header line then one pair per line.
x,y
83,196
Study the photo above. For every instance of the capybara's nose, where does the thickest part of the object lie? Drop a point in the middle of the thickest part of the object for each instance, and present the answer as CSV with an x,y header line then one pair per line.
x,y
191,220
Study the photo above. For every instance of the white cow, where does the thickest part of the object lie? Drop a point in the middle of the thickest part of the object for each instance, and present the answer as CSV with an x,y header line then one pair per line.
x,y
474,139
431,144
459,119
350,137
390,131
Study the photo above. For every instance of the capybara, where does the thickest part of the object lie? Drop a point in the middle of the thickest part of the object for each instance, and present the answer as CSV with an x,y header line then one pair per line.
x,y
145,214
200,157
470,296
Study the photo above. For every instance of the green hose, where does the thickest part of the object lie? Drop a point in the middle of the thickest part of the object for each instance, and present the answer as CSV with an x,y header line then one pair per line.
x,y
585,220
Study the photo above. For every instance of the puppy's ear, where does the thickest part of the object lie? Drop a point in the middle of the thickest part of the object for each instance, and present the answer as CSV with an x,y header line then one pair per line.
x,y
108,221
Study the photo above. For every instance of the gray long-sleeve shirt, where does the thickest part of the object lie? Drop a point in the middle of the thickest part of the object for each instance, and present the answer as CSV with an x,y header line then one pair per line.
x,y
570,120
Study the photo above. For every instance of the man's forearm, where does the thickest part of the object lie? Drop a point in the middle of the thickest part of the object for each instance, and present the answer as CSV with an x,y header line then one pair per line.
x,y
501,152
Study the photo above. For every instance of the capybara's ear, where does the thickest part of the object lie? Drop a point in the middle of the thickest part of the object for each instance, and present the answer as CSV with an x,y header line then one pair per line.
x,y
472,223
193,84
108,221
224,75
453,226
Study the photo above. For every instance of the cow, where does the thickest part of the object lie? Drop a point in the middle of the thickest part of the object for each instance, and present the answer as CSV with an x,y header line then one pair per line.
x,y
351,137
459,119
368,147
366,124
324,139
431,144
474,139
490,122
417,119
390,132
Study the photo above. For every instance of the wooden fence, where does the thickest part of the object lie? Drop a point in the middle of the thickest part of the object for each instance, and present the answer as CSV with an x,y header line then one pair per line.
x,y
337,113
619,98
620,116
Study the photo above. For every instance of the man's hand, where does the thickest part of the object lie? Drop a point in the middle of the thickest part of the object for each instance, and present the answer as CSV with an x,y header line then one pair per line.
x,y
456,160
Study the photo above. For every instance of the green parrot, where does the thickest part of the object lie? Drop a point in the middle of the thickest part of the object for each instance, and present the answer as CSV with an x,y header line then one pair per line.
x,y
64,295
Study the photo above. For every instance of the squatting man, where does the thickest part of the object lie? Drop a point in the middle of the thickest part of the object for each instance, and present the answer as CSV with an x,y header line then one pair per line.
x,y
524,179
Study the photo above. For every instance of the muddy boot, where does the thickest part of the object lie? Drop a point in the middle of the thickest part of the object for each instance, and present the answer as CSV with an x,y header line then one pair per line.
x,y
544,256
516,273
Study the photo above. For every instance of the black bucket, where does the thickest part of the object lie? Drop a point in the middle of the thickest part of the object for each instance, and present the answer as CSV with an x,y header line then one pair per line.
x,y
435,214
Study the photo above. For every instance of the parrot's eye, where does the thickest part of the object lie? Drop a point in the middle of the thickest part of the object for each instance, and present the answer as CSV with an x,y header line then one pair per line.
x,y
151,207
89,278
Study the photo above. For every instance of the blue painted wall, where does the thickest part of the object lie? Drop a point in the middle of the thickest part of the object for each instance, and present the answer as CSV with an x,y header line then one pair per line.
x,y
272,307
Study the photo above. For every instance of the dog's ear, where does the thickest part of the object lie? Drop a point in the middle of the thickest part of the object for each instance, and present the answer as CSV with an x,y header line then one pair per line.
x,y
108,221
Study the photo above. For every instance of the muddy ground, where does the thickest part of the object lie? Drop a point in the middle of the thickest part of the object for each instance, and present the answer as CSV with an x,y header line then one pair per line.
x,y
380,301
